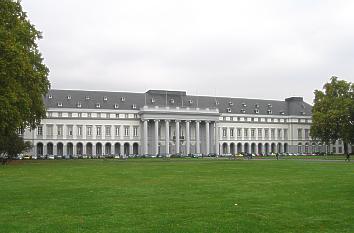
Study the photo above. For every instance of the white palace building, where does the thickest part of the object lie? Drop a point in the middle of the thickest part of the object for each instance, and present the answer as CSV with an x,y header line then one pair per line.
x,y
171,122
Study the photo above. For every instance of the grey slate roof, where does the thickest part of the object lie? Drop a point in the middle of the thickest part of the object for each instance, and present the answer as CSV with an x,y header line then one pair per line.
x,y
291,106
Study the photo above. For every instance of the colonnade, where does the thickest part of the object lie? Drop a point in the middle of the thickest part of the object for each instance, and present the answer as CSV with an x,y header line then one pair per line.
x,y
209,147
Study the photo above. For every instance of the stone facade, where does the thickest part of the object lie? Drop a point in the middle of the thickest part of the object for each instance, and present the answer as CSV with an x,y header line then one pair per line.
x,y
169,122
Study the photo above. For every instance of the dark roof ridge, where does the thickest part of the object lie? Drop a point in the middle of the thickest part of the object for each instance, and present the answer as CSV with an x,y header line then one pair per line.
x,y
96,91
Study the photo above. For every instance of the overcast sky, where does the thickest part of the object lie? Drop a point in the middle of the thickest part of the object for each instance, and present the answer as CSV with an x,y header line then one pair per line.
x,y
255,49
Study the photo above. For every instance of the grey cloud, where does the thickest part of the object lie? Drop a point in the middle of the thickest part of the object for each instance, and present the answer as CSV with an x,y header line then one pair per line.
x,y
254,49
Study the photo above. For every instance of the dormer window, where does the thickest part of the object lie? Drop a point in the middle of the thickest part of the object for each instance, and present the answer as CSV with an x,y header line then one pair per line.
x,y
190,101
303,113
269,105
256,105
98,105
87,97
172,101
244,105
269,111
122,99
105,98
228,109
216,102
116,106
152,100
282,112
50,97
256,111
134,106
60,104
243,111
78,104
69,97
230,103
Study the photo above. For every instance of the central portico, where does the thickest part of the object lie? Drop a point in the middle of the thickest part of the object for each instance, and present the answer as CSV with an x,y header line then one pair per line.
x,y
179,130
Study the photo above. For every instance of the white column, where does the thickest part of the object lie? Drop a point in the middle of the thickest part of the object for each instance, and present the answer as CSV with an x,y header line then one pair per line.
x,y
197,136
112,147
167,137
94,148
45,149
44,132
177,137
145,137
187,138
156,137
122,148
207,135
216,138
65,153
121,132
84,149
131,132
130,148
103,134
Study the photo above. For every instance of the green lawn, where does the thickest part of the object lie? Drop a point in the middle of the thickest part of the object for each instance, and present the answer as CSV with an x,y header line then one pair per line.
x,y
147,195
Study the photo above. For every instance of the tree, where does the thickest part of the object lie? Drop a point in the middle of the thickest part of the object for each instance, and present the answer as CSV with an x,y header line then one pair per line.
x,y
333,113
23,76
12,145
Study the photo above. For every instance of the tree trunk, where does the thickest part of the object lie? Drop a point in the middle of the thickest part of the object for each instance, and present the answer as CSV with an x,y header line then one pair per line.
x,y
345,148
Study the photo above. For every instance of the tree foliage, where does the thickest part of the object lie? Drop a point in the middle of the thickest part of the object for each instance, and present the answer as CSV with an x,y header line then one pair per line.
x,y
23,76
12,145
333,112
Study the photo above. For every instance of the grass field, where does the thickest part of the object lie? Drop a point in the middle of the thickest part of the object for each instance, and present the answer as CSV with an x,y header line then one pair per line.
x,y
146,195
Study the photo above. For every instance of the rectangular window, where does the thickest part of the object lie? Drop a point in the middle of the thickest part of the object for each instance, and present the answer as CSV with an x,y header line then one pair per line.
x,y
231,132
340,150
117,115
60,114
50,114
89,130
299,134
279,134
89,115
108,130
253,133
135,131
239,133
59,130
272,133
245,133
307,134
98,130
259,133
79,114
70,114
224,132
40,130
266,133
108,115
50,130
98,115
286,134
126,115
117,130
135,116
70,130
126,131
79,130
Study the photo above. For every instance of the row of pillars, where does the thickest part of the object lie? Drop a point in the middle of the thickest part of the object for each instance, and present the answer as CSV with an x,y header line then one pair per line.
x,y
167,137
